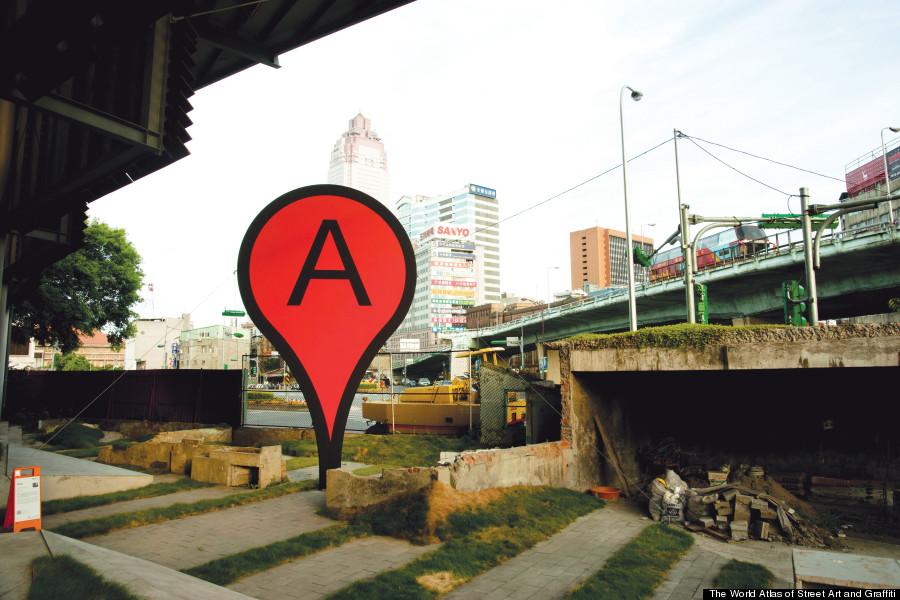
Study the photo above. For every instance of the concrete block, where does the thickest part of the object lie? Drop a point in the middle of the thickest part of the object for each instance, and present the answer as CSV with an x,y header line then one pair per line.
x,y
741,513
347,493
723,508
743,499
209,470
768,514
722,522
758,504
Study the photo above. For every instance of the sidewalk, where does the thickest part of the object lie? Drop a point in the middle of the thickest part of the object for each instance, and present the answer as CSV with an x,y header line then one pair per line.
x,y
192,541
58,519
699,567
325,572
553,567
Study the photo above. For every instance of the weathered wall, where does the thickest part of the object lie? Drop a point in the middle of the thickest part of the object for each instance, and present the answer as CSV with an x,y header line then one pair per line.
x,y
763,416
253,436
347,493
856,352
539,464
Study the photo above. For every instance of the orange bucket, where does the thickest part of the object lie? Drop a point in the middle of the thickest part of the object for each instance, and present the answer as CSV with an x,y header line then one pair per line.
x,y
605,492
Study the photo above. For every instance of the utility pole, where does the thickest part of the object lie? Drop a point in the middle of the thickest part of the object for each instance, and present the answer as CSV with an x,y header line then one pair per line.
x,y
808,258
687,251
522,349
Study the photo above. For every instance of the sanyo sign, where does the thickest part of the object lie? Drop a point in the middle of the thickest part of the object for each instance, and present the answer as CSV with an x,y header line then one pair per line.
x,y
447,231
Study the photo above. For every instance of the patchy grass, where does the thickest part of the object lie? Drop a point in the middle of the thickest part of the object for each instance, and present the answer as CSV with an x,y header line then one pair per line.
x,y
372,470
64,577
75,435
101,525
299,462
478,539
52,507
231,568
91,452
737,575
399,450
636,569
672,336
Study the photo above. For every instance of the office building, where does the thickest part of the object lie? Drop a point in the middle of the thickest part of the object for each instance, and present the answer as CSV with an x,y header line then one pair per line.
x,y
155,343
358,160
446,285
598,256
473,206
214,347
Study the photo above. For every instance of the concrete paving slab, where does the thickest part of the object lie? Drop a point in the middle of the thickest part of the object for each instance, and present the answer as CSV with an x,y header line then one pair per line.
x,y
320,574
195,495
307,473
556,565
817,567
192,541
144,578
67,477
18,550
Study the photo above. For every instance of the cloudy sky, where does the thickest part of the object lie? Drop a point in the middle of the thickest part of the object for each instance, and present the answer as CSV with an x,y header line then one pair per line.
x,y
522,96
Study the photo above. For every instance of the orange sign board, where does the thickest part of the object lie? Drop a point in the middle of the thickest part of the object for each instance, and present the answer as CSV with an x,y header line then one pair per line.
x,y
23,508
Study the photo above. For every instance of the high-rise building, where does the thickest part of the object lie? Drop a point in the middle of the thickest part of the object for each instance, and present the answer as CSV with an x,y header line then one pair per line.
x,y
598,256
473,206
446,285
358,160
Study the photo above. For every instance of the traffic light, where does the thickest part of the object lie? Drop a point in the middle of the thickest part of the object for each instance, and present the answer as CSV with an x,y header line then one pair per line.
x,y
252,368
794,296
639,257
701,303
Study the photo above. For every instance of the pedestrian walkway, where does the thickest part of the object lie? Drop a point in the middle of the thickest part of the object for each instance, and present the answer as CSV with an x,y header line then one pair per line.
x,y
553,567
192,541
325,572
196,495
699,567
307,473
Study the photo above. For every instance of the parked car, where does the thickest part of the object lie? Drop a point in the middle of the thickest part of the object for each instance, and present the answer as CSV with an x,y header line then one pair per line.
x,y
424,381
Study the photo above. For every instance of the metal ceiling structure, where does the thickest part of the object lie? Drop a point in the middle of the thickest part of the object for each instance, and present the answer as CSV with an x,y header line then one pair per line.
x,y
95,94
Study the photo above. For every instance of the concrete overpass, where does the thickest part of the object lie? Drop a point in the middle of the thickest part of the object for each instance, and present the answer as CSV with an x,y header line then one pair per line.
x,y
859,273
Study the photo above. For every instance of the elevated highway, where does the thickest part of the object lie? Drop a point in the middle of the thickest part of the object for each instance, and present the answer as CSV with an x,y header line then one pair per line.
x,y
859,273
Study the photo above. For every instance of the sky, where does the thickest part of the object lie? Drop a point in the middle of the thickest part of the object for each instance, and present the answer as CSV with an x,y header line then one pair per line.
x,y
523,97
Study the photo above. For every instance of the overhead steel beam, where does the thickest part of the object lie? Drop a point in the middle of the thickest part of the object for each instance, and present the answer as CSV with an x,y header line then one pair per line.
x,y
237,45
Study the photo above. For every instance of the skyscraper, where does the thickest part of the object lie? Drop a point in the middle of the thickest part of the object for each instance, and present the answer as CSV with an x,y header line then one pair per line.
x,y
358,160
598,257
475,207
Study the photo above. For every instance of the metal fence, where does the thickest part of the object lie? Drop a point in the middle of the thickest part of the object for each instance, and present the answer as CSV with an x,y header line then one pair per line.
x,y
184,395
271,396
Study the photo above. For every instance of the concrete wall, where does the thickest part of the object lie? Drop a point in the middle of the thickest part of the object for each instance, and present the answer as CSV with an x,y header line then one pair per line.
x,y
880,351
539,464
727,401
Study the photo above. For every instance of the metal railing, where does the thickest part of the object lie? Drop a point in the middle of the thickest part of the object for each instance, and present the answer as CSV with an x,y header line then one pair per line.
x,y
782,243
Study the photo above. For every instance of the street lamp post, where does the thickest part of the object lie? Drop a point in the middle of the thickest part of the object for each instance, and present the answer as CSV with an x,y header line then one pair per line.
x,y
549,296
632,305
887,176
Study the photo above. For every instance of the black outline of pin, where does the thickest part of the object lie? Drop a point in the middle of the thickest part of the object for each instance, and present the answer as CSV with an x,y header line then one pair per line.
x,y
329,449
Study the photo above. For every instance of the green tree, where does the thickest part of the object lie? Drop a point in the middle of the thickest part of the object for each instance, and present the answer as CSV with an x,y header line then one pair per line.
x,y
71,362
90,289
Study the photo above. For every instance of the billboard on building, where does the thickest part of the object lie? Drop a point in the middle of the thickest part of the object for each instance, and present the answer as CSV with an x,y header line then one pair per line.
x,y
872,172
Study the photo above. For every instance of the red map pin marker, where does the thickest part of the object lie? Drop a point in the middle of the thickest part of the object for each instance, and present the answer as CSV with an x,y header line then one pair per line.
x,y
327,274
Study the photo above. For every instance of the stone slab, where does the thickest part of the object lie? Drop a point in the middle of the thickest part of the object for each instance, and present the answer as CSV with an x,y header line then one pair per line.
x,y
845,570
67,477
146,579
322,573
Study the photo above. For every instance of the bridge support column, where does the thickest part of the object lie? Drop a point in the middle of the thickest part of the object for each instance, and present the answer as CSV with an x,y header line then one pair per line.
x,y
808,258
687,250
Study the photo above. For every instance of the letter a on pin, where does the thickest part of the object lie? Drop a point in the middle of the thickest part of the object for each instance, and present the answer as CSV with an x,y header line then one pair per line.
x,y
327,274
